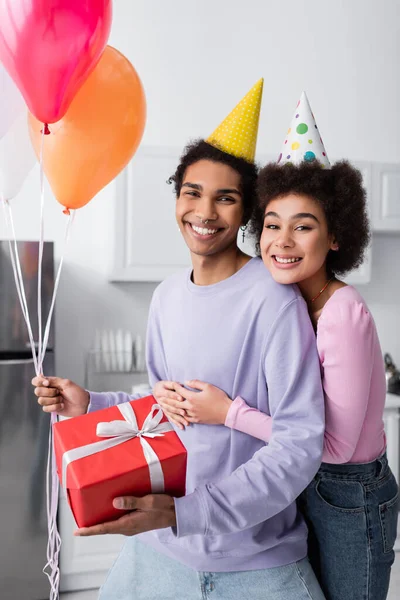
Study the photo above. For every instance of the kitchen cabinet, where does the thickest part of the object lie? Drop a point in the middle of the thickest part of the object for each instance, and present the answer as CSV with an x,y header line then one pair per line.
x,y
363,273
386,193
148,246
84,562
391,419
392,429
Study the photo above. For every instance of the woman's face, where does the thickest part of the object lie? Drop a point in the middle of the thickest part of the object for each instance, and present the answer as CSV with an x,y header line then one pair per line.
x,y
210,192
295,239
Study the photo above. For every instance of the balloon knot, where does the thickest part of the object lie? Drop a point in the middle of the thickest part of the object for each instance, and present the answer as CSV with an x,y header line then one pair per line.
x,y
66,211
45,130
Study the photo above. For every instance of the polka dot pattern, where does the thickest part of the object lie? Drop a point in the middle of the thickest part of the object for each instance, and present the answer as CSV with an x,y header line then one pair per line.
x,y
303,133
237,134
302,128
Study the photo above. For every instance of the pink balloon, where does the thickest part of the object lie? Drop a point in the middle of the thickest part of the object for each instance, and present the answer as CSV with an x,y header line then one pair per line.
x,y
49,47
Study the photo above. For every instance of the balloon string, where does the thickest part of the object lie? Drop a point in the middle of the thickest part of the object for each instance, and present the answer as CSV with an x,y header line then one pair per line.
x,y
51,569
56,284
40,260
52,483
19,282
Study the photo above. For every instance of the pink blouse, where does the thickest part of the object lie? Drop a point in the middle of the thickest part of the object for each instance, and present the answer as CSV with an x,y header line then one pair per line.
x,y
353,377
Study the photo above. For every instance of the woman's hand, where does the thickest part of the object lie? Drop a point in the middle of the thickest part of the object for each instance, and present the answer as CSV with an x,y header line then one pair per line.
x,y
209,405
170,401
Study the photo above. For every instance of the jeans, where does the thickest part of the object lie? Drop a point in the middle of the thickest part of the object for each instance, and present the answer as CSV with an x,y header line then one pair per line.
x,y
351,511
141,573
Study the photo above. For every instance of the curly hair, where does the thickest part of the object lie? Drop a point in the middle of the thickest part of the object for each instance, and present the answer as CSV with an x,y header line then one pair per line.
x,y
338,190
201,150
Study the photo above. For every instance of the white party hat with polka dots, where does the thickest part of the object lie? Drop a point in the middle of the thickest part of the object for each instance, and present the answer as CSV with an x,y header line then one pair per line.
x,y
237,134
303,141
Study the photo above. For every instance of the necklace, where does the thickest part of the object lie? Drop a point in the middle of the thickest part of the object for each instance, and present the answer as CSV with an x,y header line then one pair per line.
x,y
323,289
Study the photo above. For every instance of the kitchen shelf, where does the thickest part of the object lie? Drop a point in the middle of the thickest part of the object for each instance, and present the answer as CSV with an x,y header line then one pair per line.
x,y
106,364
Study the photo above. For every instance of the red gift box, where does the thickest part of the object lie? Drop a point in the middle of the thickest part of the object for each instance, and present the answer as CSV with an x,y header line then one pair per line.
x,y
94,480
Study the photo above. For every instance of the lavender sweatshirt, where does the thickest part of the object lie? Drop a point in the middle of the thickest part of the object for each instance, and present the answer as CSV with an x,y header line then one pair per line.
x,y
251,337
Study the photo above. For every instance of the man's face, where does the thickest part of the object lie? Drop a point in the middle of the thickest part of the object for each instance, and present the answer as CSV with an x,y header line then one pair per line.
x,y
210,192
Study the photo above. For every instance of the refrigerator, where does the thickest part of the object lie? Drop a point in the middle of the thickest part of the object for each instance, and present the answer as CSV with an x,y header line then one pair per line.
x,y
24,430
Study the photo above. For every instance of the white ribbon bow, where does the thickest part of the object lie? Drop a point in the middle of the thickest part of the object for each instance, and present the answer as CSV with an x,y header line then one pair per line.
x,y
118,432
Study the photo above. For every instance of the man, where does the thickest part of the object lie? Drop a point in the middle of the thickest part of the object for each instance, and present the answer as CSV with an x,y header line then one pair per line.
x,y
237,533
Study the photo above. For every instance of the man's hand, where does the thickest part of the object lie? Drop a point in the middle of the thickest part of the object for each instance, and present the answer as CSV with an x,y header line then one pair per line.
x,y
155,511
61,396
163,392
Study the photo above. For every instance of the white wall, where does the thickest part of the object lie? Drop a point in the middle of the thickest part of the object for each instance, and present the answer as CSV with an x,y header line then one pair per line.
x,y
197,59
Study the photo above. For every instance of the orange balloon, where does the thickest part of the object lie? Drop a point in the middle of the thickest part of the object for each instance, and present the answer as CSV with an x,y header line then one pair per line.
x,y
98,135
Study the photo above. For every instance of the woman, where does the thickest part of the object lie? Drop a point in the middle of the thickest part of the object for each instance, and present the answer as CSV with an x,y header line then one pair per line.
x,y
312,226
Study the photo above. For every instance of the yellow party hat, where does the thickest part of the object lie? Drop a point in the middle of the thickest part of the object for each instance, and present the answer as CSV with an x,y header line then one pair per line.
x,y
237,134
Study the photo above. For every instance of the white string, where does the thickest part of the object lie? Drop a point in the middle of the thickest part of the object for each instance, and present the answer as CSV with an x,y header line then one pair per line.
x,y
56,284
19,282
52,482
14,250
52,485
40,260
5,205
54,539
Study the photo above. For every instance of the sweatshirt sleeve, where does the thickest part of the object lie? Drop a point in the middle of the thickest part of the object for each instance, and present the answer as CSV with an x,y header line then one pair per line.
x,y
252,421
99,400
346,348
277,473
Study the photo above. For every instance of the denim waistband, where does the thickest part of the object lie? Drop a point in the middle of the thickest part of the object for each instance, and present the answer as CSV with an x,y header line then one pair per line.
x,y
375,468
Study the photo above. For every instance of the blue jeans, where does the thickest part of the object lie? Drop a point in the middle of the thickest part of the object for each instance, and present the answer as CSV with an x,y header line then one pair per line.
x,y
141,573
351,511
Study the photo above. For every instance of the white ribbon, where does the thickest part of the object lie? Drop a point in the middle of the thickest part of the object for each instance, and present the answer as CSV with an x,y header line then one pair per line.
x,y
118,432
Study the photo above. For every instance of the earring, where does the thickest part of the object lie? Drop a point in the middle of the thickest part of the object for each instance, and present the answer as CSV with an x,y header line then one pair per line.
x,y
335,246
243,230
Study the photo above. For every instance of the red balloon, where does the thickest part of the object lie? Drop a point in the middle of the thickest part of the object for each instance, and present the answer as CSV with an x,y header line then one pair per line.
x,y
49,47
